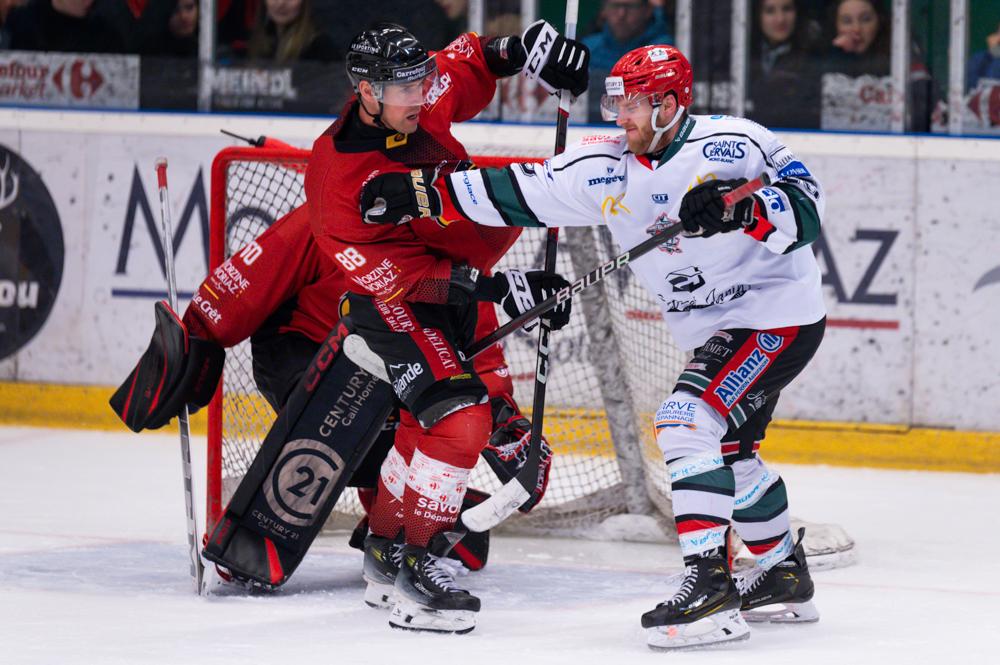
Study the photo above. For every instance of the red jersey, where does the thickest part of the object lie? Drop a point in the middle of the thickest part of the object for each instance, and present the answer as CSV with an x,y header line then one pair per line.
x,y
284,267
280,265
411,261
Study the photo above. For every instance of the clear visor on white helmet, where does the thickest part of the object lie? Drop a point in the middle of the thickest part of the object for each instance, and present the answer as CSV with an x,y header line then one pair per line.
x,y
412,86
617,104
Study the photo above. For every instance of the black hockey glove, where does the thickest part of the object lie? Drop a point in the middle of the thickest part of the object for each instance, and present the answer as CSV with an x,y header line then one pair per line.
x,y
703,213
397,198
557,62
517,292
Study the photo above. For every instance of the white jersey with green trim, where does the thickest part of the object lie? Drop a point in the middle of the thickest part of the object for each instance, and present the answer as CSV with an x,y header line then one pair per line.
x,y
762,278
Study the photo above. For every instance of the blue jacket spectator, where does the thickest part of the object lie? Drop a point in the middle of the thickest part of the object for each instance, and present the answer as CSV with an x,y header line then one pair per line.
x,y
628,24
984,64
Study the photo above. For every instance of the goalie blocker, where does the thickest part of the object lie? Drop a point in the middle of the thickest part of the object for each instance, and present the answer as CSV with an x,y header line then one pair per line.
x,y
176,369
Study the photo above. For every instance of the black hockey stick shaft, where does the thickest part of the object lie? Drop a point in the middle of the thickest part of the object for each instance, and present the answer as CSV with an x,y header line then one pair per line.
x,y
515,492
197,565
529,474
598,274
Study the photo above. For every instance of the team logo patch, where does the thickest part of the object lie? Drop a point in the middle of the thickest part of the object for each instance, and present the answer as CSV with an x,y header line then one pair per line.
x,y
673,413
772,199
738,380
671,246
725,151
769,342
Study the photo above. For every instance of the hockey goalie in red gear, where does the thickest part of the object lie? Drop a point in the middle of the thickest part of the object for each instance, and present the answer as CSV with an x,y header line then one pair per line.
x,y
414,290
287,308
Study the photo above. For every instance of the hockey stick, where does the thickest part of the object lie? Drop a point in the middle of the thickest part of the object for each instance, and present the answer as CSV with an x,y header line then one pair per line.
x,y
602,271
515,492
520,487
197,565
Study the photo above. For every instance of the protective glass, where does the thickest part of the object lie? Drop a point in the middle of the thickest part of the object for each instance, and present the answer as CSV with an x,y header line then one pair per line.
x,y
413,87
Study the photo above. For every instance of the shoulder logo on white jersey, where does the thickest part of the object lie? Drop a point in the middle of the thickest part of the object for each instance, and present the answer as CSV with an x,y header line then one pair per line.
x,y
660,198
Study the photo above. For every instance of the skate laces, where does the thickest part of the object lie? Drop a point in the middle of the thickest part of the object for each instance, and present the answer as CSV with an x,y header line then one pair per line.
x,y
439,572
396,554
748,580
687,586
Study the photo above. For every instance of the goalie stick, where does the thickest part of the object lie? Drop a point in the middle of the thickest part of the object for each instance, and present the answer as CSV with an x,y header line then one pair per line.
x,y
197,565
515,492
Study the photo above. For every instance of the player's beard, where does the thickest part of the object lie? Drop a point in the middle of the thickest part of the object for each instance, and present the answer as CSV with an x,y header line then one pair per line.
x,y
638,137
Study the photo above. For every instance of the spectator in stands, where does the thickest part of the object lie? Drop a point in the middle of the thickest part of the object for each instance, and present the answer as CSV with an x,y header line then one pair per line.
x,y
5,7
861,41
182,30
457,12
784,66
287,32
984,64
425,19
628,24
144,25
862,45
68,26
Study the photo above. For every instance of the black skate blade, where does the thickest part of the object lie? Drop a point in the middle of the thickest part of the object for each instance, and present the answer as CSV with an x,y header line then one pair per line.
x,y
438,631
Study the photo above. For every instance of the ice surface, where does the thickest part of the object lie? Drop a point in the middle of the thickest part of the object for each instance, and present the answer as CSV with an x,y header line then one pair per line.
x,y
93,570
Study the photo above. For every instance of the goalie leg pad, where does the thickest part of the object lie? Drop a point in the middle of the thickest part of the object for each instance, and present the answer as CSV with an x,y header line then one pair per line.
x,y
316,443
176,369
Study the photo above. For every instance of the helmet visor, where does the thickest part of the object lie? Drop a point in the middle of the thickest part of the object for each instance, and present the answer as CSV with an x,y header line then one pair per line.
x,y
625,107
410,86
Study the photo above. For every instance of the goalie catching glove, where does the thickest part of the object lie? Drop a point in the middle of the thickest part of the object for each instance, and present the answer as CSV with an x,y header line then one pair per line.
x,y
177,369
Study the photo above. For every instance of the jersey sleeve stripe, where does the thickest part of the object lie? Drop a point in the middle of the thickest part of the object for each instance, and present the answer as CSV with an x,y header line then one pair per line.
x,y
470,195
522,202
806,216
487,175
507,199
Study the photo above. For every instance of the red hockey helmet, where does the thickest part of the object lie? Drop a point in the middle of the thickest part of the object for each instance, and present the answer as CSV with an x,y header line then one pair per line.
x,y
648,71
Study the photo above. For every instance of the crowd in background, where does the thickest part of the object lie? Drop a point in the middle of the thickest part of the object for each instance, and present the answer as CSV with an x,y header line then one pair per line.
x,y
793,44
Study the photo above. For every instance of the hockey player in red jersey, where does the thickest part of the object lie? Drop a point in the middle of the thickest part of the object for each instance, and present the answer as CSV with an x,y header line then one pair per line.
x,y
286,305
415,289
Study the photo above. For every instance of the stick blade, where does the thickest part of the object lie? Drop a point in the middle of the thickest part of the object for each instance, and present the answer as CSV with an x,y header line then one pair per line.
x,y
497,508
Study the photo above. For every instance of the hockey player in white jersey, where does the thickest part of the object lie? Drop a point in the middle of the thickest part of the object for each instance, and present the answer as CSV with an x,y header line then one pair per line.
x,y
739,287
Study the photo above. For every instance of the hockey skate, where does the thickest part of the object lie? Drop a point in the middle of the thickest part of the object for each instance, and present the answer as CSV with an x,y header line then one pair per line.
x,y
782,594
382,559
426,598
704,611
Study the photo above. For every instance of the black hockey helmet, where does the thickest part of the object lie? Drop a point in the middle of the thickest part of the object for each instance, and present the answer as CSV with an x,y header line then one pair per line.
x,y
388,53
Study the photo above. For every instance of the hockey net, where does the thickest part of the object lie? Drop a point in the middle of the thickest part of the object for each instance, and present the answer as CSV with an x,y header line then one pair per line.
x,y
611,368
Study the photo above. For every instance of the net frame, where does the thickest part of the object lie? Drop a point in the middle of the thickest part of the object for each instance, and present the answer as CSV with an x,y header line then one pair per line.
x,y
599,422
